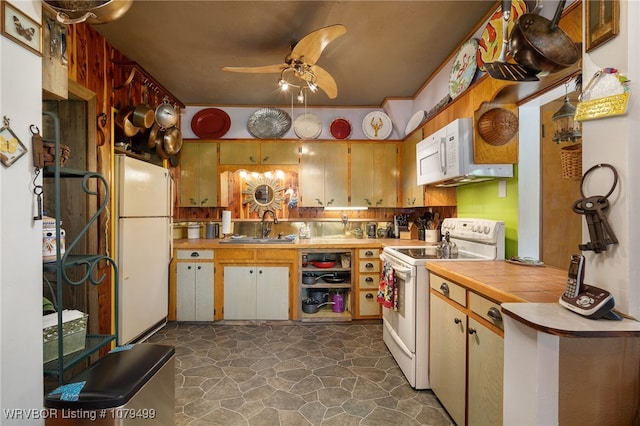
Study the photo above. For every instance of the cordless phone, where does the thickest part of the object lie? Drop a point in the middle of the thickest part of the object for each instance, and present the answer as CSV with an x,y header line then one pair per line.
x,y
587,300
575,277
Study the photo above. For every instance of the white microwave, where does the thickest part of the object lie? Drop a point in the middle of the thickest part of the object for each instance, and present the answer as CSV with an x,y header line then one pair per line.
x,y
445,158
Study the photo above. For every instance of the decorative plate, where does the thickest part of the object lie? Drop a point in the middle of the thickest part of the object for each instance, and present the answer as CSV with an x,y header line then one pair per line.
x,y
269,123
377,125
414,122
340,128
210,123
490,43
307,126
464,68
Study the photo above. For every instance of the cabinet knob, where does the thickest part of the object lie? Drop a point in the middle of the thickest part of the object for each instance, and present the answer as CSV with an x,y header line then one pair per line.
x,y
251,271
368,253
457,320
369,265
199,267
369,296
189,267
260,271
369,279
471,331
494,314
195,254
444,288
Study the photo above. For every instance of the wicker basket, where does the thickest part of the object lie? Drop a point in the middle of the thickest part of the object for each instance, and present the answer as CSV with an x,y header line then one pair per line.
x,y
498,126
49,154
571,161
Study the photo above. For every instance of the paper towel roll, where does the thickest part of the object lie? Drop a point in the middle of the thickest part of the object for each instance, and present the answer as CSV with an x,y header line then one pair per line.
x,y
226,222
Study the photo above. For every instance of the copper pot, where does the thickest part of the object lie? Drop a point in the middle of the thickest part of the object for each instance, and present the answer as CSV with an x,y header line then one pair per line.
x,y
155,136
172,140
143,116
161,152
123,120
89,11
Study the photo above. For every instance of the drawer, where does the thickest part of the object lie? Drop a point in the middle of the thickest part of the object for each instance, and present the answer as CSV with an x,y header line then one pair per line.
x,y
369,253
194,254
369,266
453,291
368,305
369,281
486,309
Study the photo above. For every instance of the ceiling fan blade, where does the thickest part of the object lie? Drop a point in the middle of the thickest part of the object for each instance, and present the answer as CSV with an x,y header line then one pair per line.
x,y
325,81
311,46
266,69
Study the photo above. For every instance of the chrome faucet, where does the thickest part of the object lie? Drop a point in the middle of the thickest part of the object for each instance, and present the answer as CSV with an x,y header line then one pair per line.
x,y
266,227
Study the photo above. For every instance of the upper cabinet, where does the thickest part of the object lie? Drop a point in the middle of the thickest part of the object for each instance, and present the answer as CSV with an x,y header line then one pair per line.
x,y
374,175
324,174
412,193
198,174
258,152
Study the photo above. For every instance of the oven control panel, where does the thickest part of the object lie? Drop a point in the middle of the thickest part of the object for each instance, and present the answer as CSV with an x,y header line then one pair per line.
x,y
480,230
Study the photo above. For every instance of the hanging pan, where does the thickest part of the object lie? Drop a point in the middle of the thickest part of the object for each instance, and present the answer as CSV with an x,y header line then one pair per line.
x,y
503,70
540,44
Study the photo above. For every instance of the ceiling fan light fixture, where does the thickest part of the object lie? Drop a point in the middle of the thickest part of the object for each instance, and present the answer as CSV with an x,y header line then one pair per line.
x,y
284,86
300,96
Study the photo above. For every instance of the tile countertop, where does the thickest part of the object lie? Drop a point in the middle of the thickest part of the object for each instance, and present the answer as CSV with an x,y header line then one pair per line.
x,y
503,281
541,286
311,243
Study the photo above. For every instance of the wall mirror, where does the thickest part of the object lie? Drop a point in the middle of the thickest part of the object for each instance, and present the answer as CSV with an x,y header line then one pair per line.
x,y
263,191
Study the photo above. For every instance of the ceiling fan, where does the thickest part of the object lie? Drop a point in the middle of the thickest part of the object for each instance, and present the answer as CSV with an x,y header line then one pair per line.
x,y
299,69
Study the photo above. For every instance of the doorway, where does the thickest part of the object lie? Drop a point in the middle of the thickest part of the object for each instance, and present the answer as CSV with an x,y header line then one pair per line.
x,y
548,229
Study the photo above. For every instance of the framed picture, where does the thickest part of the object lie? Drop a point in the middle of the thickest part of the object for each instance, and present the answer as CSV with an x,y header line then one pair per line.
x,y
602,21
20,28
10,147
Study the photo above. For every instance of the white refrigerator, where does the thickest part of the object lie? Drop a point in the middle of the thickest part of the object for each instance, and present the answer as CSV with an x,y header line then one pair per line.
x,y
143,194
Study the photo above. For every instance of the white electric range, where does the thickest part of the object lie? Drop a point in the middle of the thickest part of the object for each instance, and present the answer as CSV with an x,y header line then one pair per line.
x,y
406,330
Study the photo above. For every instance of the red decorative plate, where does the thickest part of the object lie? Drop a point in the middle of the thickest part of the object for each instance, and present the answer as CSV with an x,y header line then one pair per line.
x,y
210,123
490,43
340,128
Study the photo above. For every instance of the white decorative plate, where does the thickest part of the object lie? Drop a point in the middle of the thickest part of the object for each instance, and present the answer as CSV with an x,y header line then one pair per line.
x,y
377,125
414,122
464,68
269,123
307,126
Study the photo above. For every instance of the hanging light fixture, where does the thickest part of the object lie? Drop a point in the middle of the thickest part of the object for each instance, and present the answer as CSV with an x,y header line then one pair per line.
x,y
566,128
299,76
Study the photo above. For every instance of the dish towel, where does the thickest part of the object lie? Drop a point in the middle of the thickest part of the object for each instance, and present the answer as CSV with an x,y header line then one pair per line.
x,y
387,289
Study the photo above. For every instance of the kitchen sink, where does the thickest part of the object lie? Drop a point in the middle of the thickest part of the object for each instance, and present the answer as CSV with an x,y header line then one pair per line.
x,y
256,240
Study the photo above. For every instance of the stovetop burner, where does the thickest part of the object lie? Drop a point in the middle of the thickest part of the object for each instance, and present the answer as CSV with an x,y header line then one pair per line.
x,y
429,253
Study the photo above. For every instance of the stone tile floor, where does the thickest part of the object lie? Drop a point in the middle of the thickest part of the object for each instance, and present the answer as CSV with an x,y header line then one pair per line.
x,y
311,374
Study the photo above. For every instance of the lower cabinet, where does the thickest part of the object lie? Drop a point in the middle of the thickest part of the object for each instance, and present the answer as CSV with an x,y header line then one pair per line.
x,y
256,292
466,360
194,276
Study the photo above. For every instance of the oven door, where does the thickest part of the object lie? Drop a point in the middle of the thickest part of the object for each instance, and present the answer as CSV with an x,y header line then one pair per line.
x,y
399,325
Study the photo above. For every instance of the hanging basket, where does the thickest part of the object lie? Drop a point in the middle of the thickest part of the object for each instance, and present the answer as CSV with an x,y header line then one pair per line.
x,y
571,161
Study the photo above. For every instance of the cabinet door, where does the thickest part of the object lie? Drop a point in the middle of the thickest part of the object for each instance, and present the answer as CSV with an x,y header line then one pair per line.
x,y
324,174
239,152
185,291
373,175
239,292
447,357
272,293
412,193
198,174
336,174
194,291
279,153
486,362
204,292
